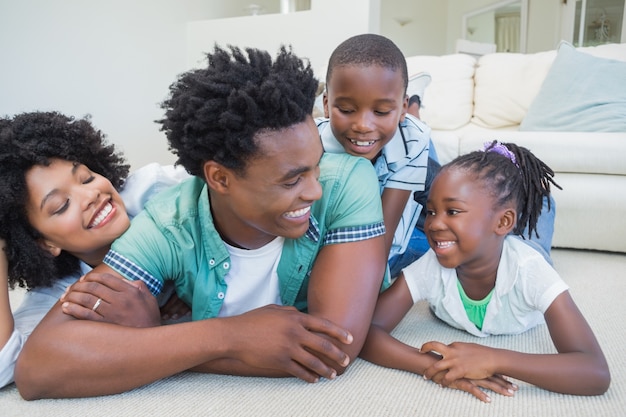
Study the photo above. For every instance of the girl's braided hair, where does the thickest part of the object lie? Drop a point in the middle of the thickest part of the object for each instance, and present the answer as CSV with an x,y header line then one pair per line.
x,y
513,174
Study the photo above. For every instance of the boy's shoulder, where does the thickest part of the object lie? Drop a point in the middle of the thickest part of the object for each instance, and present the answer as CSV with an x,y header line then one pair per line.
x,y
414,127
329,141
342,166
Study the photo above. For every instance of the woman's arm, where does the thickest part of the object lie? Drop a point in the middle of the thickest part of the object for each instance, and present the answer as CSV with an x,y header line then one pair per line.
x,y
578,368
6,317
10,340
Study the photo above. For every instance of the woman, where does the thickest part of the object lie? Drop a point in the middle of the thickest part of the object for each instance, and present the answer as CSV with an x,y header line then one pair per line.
x,y
47,260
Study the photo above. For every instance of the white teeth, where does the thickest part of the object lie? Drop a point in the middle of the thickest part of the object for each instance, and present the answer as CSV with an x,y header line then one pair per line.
x,y
106,210
298,213
363,143
444,245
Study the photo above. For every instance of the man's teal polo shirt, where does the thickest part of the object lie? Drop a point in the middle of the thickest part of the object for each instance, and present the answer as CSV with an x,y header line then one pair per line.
x,y
174,238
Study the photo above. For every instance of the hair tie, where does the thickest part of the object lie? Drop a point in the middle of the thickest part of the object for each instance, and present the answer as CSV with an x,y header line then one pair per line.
x,y
501,149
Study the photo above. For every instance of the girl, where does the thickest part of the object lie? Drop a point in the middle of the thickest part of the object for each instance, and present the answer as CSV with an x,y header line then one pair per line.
x,y
478,278
47,259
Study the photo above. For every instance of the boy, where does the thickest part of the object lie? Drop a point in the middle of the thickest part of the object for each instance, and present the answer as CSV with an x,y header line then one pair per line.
x,y
267,219
366,107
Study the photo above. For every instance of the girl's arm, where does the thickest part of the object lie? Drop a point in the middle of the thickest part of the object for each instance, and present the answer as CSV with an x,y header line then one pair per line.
x,y
383,349
578,368
394,200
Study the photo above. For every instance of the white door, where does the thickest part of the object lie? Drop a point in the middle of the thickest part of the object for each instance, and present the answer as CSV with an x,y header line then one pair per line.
x,y
594,22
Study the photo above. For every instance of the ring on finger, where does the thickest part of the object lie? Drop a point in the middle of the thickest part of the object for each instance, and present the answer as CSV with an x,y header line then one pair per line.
x,y
97,304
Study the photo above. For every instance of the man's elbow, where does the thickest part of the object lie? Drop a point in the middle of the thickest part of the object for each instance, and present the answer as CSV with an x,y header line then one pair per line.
x,y
603,379
29,382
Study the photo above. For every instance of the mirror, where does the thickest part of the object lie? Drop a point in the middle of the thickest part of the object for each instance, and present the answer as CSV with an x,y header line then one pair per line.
x,y
503,24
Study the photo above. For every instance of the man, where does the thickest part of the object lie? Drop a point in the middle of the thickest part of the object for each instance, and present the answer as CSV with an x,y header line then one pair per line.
x,y
268,219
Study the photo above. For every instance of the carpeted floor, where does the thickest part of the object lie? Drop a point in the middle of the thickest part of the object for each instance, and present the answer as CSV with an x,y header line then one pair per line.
x,y
598,285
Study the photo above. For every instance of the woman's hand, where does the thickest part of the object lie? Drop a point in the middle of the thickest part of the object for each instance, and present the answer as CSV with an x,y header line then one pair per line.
x,y
106,298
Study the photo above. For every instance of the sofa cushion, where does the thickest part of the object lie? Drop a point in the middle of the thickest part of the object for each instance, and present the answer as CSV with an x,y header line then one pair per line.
x,y
506,84
448,104
581,93
573,152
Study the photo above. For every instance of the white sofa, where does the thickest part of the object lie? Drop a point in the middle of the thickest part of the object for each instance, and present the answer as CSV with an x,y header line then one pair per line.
x,y
473,100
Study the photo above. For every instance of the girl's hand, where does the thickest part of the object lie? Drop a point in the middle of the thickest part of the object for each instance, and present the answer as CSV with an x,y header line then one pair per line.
x,y
497,383
106,298
460,360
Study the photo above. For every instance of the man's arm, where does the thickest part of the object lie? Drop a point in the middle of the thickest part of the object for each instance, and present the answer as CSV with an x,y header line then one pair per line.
x,y
97,358
344,285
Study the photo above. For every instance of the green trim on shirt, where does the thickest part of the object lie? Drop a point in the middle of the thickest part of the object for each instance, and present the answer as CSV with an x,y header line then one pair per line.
x,y
475,309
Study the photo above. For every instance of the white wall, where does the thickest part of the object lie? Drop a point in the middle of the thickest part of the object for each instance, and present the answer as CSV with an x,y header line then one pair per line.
x,y
425,30
115,59
313,33
544,24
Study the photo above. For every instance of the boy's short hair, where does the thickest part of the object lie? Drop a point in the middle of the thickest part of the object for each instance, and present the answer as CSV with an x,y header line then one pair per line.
x,y
368,49
214,113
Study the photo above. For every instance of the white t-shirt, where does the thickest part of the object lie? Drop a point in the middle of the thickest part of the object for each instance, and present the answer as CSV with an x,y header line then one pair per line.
x,y
526,285
256,282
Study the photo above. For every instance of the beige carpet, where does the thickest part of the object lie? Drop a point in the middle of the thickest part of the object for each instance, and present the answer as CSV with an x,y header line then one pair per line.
x,y
598,284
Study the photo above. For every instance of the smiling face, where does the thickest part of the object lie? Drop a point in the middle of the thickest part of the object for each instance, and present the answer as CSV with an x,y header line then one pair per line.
x,y
274,195
463,227
74,209
365,105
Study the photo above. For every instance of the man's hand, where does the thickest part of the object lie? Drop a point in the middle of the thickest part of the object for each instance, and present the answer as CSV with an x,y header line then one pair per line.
x,y
106,298
285,340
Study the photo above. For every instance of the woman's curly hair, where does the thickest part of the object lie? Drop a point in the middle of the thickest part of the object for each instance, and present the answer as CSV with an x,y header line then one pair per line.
x,y
31,139
214,113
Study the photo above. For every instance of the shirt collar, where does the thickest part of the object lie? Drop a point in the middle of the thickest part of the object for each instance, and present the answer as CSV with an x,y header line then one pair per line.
x,y
313,231
329,141
396,149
